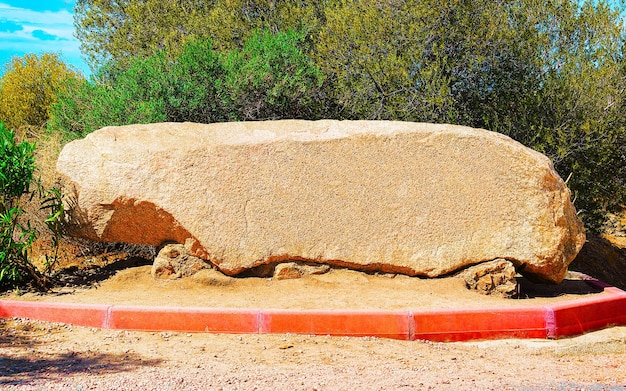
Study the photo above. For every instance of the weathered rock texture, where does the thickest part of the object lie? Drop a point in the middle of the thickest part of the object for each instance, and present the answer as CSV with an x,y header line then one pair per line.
x,y
175,261
417,199
291,270
495,277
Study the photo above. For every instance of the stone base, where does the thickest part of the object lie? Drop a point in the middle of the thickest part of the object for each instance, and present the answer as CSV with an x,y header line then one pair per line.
x,y
290,270
175,261
495,277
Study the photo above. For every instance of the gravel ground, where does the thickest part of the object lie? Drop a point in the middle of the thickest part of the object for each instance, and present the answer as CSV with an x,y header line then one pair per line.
x,y
47,356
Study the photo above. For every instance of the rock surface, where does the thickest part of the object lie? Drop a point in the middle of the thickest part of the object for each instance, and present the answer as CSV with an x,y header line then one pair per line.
x,y
495,277
397,197
175,261
291,270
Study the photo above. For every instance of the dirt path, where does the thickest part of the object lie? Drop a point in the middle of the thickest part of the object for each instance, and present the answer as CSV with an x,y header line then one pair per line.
x,y
47,356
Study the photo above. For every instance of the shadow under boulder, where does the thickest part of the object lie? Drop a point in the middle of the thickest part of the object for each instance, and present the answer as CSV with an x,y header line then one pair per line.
x,y
601,259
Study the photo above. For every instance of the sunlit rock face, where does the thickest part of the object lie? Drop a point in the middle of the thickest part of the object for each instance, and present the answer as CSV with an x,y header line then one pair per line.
x,y
412,198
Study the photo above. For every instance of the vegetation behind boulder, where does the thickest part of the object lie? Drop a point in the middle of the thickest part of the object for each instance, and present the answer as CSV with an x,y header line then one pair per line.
x,y
269,78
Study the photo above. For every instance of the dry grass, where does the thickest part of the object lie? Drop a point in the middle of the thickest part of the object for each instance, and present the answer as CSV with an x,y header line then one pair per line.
x,y
48,148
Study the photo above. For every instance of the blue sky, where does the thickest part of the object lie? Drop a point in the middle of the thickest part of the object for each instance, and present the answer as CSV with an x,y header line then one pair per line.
x,y
36,26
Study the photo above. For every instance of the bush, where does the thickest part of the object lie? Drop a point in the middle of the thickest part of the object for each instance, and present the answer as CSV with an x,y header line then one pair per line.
x,y
270,78
132,96
194,86
149,90
17,164
29,87
17,235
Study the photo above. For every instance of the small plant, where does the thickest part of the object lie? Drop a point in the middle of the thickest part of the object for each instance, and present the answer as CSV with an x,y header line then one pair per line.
x,y
53,203
17,164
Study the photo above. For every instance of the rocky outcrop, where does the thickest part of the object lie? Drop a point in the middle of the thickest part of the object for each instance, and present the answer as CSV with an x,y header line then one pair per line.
x,y
602,259
417,199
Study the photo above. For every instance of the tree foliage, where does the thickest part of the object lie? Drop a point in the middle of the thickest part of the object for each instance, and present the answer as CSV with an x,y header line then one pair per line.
x,y
29,87
118,30
551,74
270,77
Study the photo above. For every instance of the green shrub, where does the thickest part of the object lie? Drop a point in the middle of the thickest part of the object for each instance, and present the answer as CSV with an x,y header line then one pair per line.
x,y
18,185
17,164
76,112
270,78
135,95
194,86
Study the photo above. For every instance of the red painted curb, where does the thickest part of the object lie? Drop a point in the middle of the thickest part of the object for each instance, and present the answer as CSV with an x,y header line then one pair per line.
x,y
551,321
480,323
213,320
382,324
584,315
90,315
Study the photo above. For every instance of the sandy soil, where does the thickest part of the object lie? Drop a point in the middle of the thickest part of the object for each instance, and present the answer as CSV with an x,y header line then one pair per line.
x,y
338,289
46,356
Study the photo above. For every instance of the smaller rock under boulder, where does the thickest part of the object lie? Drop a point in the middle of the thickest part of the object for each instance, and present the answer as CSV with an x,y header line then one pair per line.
x,y
175,261
290,270
495,277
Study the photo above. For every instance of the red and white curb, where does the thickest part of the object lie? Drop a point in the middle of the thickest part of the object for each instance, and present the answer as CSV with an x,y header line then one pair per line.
x,y
566,318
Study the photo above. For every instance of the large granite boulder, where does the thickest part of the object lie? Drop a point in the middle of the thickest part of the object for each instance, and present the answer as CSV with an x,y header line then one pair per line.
x,y
397,197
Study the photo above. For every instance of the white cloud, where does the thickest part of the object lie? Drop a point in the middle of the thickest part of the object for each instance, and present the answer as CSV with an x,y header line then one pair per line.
x,y
55,27
59,24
